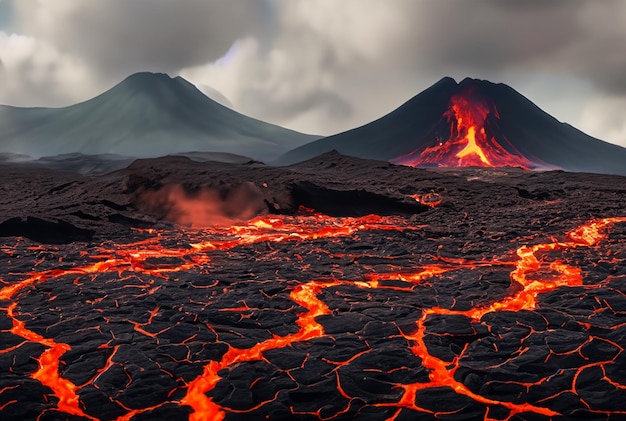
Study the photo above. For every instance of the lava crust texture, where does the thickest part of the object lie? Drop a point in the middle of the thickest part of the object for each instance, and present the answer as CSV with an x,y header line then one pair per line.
x,y
470,294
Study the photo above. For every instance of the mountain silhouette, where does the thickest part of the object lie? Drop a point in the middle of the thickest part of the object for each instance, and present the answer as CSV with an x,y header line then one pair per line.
x,y
146,115
471,123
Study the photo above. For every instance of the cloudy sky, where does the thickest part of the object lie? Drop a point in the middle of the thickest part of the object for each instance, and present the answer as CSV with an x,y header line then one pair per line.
x,y
323,66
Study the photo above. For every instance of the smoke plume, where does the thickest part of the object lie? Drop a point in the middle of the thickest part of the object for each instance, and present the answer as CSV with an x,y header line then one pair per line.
x,y
204,206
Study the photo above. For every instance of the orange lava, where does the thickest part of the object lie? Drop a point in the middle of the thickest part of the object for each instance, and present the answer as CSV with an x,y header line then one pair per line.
x,y
441,373
469,145
48,372
133,258
429,199
528,274
304,295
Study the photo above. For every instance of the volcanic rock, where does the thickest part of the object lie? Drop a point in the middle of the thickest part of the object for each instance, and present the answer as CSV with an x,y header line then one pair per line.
x,y
502,300
43,231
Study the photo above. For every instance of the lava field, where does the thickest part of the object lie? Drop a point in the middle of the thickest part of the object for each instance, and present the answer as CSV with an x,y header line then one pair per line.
x,y
335,289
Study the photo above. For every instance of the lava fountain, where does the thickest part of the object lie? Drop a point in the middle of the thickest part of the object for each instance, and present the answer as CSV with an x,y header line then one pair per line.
x,y
472,141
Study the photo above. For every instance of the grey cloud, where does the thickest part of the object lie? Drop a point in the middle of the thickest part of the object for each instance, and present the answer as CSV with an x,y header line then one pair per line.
x,y
119,37
335,107
328,63
606,116
335,64
489,36
534,5
495,38
215,95
5,13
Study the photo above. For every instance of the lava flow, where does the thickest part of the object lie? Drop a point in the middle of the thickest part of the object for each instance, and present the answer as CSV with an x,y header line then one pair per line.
x,y
470,143
295,318
442,373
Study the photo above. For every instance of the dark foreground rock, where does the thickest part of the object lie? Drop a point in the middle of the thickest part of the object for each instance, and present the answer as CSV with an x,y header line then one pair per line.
x,y
42,231
503,301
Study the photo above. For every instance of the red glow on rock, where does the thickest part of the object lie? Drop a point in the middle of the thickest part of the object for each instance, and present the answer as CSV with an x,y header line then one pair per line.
x,y
304,295
429,199
48,372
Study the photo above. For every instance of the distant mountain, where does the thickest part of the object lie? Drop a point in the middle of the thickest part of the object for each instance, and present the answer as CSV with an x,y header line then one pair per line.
x,y
146,115
84,164
10,158
471,123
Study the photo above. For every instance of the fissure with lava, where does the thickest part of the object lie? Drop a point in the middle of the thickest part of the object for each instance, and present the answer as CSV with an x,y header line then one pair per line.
x,y
534,270
471,141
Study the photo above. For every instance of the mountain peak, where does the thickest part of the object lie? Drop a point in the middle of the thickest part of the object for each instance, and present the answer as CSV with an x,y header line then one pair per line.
x,y
471,123
147,76
148,80
445,82
158,90
448,85
474,81
145,115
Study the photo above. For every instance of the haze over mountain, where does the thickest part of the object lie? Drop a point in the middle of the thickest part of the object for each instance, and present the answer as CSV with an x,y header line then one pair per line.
x,y
146,115
471,123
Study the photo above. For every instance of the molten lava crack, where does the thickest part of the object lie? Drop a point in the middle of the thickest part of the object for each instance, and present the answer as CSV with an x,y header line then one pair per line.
x,y
169,326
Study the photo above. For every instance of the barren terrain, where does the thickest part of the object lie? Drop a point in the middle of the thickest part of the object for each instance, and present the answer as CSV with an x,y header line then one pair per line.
x,y
338,288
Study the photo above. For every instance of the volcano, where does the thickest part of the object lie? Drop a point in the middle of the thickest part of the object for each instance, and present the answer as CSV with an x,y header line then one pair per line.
x,y
471,123
146,115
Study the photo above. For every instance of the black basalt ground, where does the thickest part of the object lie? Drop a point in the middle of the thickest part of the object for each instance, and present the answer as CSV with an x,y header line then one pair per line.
x,y
42,231
162,305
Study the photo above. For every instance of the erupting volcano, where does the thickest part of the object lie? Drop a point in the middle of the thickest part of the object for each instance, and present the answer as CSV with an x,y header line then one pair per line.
x,y
471,123
471,142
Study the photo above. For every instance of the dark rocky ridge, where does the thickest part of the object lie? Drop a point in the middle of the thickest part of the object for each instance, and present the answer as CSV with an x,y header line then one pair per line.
x,y
91,202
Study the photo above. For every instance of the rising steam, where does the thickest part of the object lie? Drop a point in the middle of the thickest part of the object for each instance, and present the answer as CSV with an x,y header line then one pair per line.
x,y
202,207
